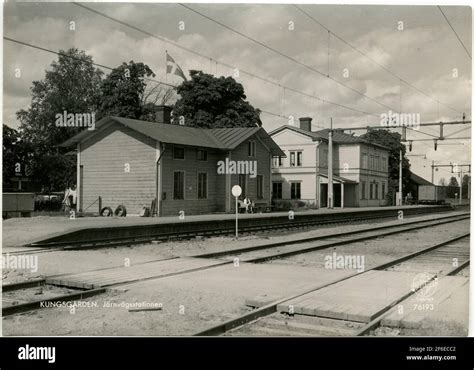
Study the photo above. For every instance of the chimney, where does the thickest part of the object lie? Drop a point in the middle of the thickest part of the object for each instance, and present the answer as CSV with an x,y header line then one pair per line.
x,y
305,123
163,114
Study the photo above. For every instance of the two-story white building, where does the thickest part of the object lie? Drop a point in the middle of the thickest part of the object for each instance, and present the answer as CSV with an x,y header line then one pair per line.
x,y
360,168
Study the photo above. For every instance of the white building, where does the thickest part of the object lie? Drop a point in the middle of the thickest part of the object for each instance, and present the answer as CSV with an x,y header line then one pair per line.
x,y
360,168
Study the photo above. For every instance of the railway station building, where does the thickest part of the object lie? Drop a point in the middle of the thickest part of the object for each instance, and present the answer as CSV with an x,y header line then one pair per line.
x,y
183,169
360,168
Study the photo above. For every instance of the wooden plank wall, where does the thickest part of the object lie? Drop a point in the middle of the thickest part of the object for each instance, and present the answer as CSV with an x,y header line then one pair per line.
x,y
104,157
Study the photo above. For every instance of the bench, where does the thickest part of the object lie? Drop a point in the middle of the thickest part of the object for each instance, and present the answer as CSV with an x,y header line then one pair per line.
x,y
257,207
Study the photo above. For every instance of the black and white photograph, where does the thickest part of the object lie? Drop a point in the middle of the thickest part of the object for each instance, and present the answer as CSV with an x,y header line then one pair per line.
x,y
236,170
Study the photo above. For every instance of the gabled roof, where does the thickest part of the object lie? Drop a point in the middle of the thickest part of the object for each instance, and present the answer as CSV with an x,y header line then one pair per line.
x,y
219,138
418,179
338,136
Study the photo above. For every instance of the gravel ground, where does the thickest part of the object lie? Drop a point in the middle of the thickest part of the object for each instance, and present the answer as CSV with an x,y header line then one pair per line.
x,y
376,252
61,262
191,302
195,301
28,295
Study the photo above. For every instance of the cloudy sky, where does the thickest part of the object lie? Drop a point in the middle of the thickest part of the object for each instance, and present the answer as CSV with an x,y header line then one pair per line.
x,y
425,53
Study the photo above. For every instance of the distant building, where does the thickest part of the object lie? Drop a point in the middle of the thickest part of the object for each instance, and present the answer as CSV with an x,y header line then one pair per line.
x,y
415,182
133,162
360,168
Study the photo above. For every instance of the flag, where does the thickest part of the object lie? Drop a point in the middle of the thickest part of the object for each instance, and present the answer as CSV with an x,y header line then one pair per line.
x,y
173,68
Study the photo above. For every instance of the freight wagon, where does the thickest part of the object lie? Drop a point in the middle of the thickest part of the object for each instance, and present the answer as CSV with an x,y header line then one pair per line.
x,y
431,194
17,204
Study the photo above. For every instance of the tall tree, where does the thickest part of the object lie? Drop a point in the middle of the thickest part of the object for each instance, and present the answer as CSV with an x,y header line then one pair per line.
x,y
452,188
71,84
453,181
16,156
123,91
209,102
392,140
466,179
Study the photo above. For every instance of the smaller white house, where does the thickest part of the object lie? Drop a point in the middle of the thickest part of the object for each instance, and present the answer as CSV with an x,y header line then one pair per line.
x,y
360,168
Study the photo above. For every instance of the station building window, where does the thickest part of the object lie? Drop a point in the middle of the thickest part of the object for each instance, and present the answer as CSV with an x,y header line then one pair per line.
x,y
260,186
252,149
277,190
202,155
243,185
202,185
178,152
296,159
277,162
178,185
296,190
364,161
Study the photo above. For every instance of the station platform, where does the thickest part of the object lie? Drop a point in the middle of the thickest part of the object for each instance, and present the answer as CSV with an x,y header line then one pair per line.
x,y
26,231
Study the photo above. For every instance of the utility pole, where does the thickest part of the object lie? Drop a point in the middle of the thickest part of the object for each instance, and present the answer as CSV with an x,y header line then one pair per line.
x,y
460,187
400,196
330,169
432,171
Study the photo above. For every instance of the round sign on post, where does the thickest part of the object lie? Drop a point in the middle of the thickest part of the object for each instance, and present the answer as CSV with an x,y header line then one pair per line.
x,y
236,191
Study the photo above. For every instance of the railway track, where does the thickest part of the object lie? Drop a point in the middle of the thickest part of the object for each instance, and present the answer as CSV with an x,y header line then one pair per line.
x,y
268,320
299,222
255,254
111,243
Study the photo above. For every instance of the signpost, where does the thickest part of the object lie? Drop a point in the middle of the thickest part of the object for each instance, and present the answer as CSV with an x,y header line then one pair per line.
x,y
236,191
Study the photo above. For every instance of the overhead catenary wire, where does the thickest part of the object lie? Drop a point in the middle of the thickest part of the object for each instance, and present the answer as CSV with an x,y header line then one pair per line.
x,y
372,59
108,68
177,45
72,57
457,36
280,53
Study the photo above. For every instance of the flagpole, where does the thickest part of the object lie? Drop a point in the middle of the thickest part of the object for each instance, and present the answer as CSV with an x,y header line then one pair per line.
x,y
166,66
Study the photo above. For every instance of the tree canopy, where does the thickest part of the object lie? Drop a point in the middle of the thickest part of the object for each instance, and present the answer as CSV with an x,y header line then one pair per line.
x,y
15,152
74,85
392,140
71,84
123,91
207,101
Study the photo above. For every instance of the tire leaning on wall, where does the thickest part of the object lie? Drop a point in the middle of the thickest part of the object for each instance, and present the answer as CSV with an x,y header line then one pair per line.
x,y
120,211
109,212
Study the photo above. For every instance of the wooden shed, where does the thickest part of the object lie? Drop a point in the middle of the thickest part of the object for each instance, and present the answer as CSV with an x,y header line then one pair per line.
x,y
133,162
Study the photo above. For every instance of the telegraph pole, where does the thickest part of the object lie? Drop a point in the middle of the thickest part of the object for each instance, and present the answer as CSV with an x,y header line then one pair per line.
x,y
432,171
330,169
460,187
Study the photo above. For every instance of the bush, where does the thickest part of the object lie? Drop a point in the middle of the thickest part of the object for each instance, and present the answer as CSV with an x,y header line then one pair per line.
x,y
286,205
282,205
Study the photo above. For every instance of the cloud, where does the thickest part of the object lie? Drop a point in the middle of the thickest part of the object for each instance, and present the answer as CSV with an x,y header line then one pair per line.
x,y
424,54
